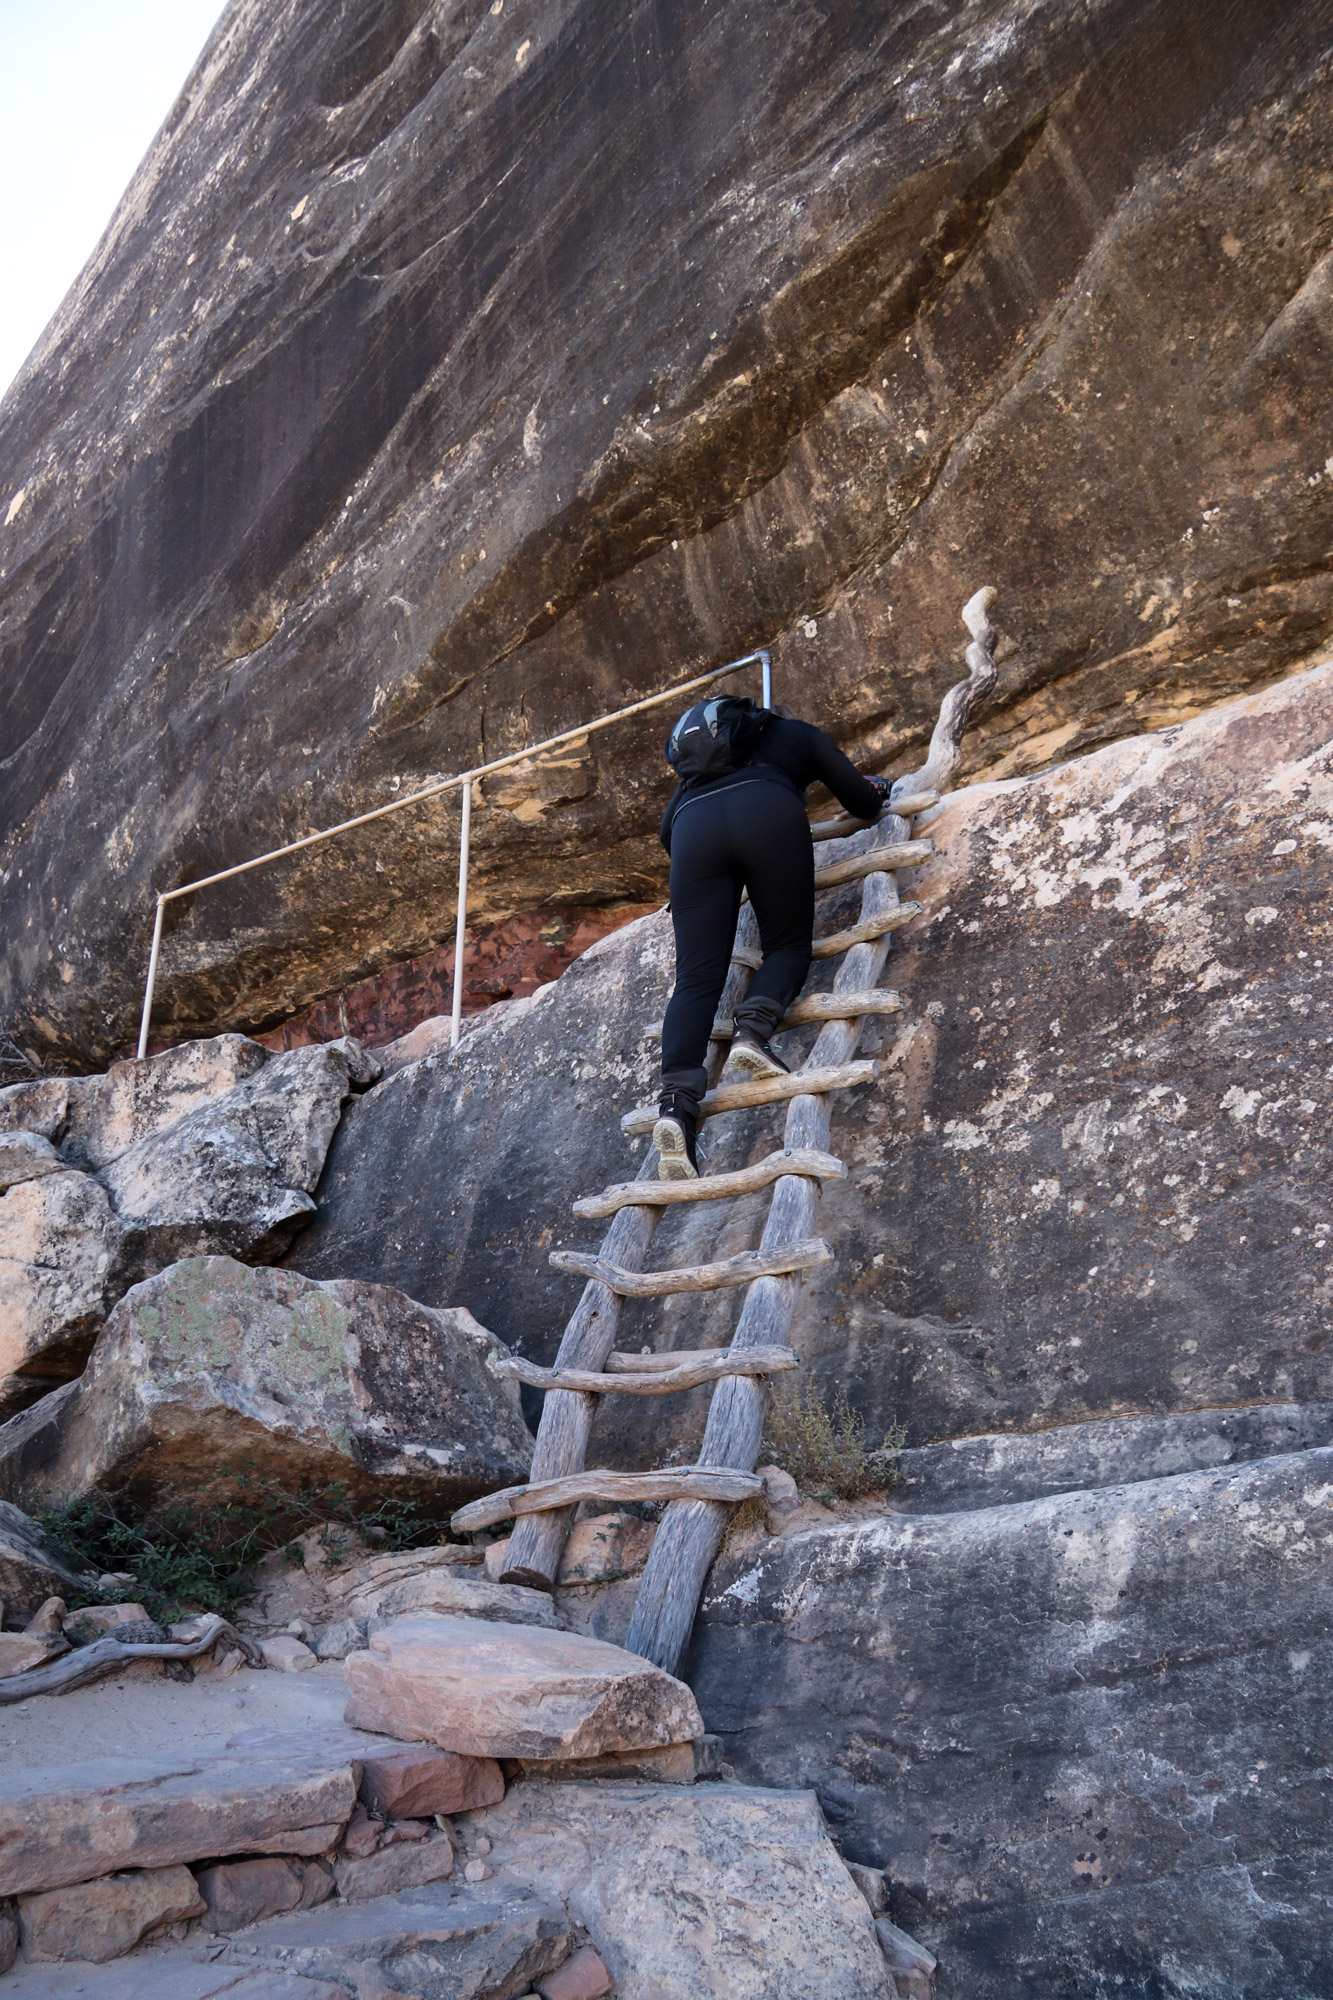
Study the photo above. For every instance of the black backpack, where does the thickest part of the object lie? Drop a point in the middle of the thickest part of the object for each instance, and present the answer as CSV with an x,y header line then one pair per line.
x,y
715,737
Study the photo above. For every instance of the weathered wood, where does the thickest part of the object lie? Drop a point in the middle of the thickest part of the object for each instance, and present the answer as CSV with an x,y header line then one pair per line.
x,y
751,959
688,1374
108,1656
761,1090
710,1187
686,1482
691,1531
533,1556
694,1277
906,807
862,933
820,1007
903,854
653,1363
946,743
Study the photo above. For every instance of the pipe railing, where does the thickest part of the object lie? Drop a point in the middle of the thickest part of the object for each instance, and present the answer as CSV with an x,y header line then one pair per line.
x,y
463,781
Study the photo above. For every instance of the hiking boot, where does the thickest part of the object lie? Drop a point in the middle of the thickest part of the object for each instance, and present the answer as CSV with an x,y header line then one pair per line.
x,y
751,1052
676,1136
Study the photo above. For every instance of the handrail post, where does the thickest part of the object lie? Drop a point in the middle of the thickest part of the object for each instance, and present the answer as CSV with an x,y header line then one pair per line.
x,y
766,664
151,980
460,932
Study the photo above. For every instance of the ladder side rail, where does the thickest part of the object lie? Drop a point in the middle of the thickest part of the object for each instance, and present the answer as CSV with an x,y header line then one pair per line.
x,y
535,1548
691,1531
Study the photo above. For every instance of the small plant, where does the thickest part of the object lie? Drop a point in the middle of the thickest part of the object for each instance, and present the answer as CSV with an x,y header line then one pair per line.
x,y
185,1559
825,1449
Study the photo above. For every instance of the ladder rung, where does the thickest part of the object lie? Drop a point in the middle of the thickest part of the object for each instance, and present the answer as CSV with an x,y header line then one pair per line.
x,y
906,807
686,1482
880,860
713,1187
740,1270
763,1090
866,931
689,1373
824,1007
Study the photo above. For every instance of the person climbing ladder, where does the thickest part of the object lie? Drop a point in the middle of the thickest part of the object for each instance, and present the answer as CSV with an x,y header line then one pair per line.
x,y
737,821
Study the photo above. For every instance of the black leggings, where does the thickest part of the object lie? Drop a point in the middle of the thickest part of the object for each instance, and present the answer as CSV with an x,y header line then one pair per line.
x,y
753,835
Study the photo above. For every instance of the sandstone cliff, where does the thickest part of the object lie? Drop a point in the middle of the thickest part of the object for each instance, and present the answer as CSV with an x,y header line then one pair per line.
x,y
450,372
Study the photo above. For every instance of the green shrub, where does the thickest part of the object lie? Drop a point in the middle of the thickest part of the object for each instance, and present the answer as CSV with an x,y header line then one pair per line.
x,y
824,1448
186,1559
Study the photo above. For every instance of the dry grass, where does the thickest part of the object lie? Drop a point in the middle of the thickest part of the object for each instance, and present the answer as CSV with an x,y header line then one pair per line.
x,y
824,1448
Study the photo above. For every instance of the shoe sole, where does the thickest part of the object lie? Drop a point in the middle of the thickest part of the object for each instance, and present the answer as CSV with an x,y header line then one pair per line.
x,y
673,1162
755,1063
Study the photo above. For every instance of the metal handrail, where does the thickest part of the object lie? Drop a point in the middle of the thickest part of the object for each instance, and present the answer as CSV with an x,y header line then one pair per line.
x,y
463,781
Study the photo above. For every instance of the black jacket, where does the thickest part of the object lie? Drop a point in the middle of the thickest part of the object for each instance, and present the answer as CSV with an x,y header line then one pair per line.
x,y
793,754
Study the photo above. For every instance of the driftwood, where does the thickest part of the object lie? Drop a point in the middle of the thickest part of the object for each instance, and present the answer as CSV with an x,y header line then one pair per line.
x,y
956,710
694,1277
903,854
107,1656
688,1373
533,1556
909,805
862,933
761,1090
686,1482
791,1160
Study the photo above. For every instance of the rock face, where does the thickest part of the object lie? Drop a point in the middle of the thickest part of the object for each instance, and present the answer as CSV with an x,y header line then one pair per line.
x,y
1079,1253
709,1892
215,1146
32,1568
491,1690
214,1376
947,291
1081,1733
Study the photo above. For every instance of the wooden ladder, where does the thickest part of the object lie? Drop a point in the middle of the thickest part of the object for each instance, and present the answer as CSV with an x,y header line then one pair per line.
x,y
587,1365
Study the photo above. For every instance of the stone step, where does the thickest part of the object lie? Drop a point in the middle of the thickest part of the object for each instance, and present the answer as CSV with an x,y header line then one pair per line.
x,y
514,1691
461,1942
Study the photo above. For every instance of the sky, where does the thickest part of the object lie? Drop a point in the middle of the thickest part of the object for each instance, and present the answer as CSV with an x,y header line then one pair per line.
x,y
84,86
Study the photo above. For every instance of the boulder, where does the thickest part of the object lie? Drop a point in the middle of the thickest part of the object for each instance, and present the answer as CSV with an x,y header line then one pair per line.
x,y
32,1567
214,1374
21,1650
40,1106
418,1783
104,1919
492,1690
215,1146
73,1823
581,1977
237,1893
1069,1753
462,1596
394,1867
709,1892
84,1628
25,1156
236,1173
63,1264
286,1654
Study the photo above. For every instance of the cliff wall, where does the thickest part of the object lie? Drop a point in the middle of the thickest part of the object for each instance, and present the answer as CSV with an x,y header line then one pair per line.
x,y
451,372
